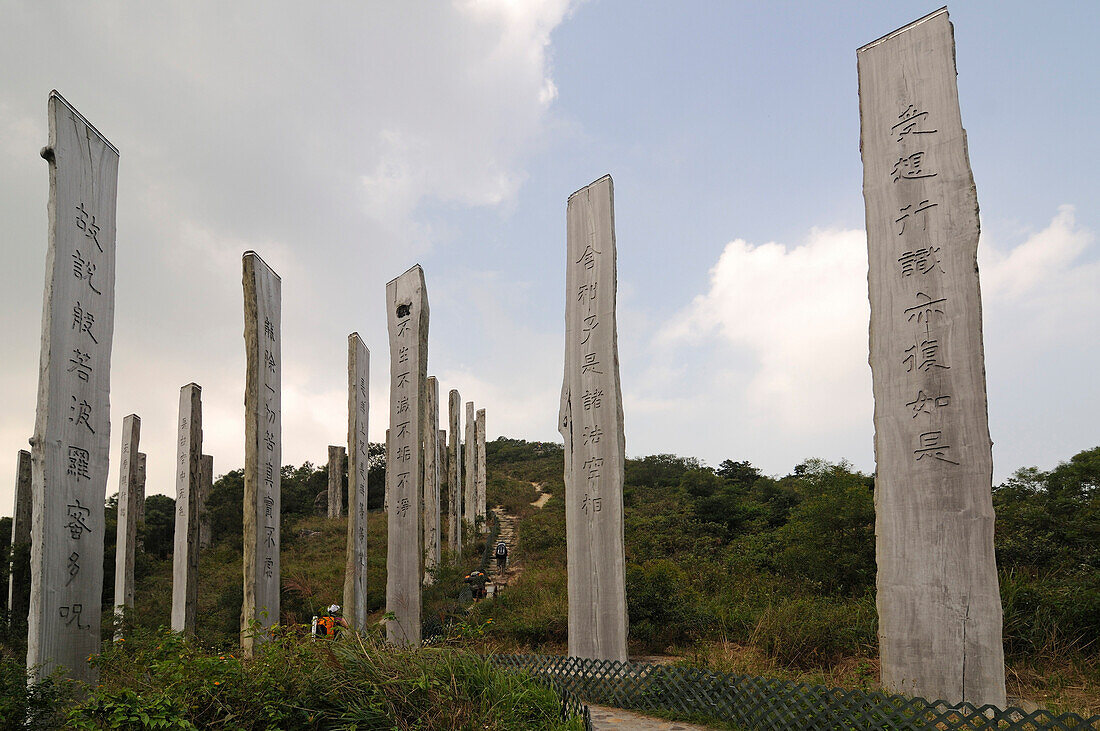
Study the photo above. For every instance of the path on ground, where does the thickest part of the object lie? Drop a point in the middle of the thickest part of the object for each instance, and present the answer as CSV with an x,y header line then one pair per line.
x,y
616,718
508,535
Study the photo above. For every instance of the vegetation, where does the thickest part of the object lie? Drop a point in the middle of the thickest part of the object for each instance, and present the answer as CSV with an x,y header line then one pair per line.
x,y
727,568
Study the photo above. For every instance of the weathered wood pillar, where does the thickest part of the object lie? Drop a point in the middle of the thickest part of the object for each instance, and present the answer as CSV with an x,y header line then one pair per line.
x,y
71,445
407,316
479,452
469,482
19,581
355,570
591,423
206,488
139,498
126,533
454,475
431,480
185,552
938,599
336,456
263,448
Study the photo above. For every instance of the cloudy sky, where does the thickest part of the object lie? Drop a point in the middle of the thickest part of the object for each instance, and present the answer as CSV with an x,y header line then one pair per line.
x,y
347,141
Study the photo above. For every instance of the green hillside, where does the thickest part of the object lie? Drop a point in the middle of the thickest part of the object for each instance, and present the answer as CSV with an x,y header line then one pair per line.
x,y
726,568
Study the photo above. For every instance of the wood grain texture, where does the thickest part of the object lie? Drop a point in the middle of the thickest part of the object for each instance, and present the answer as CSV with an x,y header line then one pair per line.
x,y
185,543
19,584
407,317
454,474
206,488
70,449
591,424
479,454
469,480
336,456
938,600
126,532
263,447
355,570
432,533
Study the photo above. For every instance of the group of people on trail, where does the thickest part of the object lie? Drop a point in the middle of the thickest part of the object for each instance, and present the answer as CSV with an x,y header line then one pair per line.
x,y
329,625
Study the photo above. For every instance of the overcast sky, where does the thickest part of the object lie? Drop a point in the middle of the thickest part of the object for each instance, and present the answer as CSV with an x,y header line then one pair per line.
x,y
345,142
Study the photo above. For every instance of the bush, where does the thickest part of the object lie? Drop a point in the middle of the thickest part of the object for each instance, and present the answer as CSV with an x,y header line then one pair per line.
x,y
160,680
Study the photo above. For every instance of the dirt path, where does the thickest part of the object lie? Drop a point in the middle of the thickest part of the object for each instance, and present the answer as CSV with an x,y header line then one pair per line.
x,y
615,718
543,496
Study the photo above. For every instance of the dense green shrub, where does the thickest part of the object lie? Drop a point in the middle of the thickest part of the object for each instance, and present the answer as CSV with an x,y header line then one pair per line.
x,y
158,680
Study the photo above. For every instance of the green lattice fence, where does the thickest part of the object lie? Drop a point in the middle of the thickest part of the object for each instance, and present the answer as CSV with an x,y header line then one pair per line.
x,y
759,703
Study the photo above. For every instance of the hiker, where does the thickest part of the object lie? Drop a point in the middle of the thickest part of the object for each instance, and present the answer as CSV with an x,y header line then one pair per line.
x,y
329,625
476,580
501,553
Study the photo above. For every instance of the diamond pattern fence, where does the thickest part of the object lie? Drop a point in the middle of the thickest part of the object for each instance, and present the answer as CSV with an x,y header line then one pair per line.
x,y
760,703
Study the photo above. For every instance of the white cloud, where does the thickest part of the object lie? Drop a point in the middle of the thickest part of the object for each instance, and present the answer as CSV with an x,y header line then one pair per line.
x,y
802,313
314,135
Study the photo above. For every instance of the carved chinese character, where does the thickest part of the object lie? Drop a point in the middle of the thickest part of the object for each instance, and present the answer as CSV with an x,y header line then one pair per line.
x,y
80,365
402,430
931,445
586,290
402,405
403,506
589,364
402,479
269,330
83,321
73,615
269,475
76,525
269,360
402,325
403,354
86,223
588,258
923,355
922,313
926,404
84,269
912,119
78,463
590,324
592,399
593,465
269,506
596,503
269,567
74,566
269,538
403,453
269,440
592,434
912,210
80,413
920,261
910,168
270,414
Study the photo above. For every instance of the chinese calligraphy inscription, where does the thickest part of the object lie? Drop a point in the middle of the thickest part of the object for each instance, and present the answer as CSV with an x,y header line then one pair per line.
x,y
431,479
263,447
185,554
71,443
938,599
591,423
407,316
355,570
126,535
